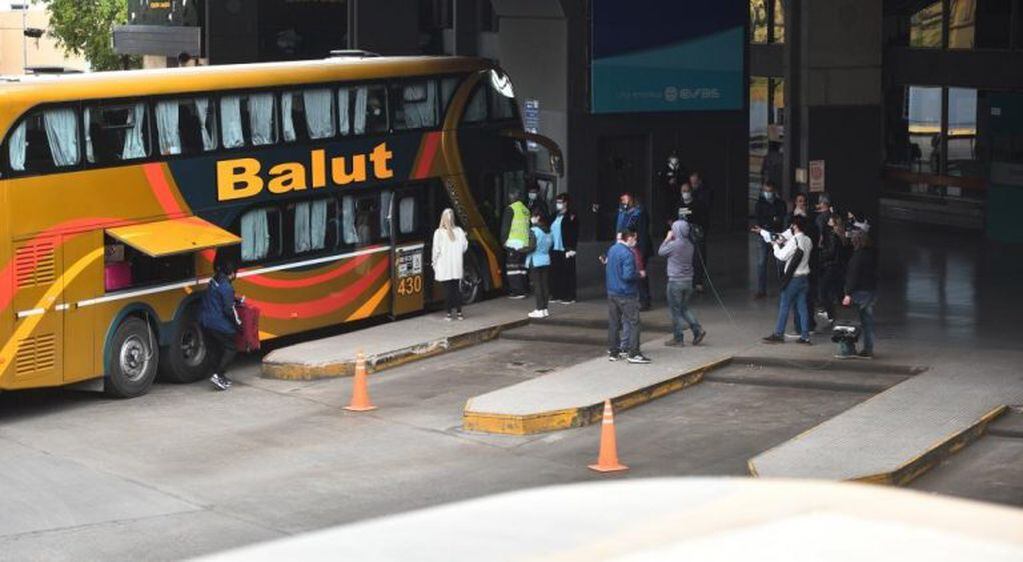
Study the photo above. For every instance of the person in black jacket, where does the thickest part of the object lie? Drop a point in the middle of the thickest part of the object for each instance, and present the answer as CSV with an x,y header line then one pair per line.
x,y
861,287
219,319
565,230
834,256
770,215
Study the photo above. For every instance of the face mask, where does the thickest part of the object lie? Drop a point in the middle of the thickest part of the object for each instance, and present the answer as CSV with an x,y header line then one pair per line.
x,y
532,196
687,197
534,220
631,243
769,195
623,206
559,206
673,163
800,212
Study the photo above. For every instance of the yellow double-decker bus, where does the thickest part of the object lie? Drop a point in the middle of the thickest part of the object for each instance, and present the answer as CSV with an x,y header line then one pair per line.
x,y
323,179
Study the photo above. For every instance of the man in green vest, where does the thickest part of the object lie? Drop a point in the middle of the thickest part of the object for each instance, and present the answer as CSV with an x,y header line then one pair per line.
x,y
515,236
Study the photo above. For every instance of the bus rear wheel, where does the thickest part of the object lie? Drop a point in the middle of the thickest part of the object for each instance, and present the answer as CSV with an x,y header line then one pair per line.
x,y
187,358
471,285
131,359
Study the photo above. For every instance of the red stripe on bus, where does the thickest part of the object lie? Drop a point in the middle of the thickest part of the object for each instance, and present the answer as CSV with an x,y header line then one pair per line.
x,y
430,143
325,305
161,189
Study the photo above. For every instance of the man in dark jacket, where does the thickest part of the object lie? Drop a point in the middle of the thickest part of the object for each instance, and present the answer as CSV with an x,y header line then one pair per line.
x,y
770,215
633,216
220,320
861,287
565,230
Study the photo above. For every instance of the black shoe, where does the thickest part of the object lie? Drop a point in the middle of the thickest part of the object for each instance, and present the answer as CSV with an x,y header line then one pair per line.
x,y
774,338
865,354
614,355
218,382
674,343
638,358
804,341
697,338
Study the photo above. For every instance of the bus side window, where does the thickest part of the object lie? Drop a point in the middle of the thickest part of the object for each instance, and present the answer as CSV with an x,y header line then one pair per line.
x,y
315,225
415,105
185,126
371,110
360,219
476,110
447,91
116,132
249,118
44,140
308,114
261,235
409,221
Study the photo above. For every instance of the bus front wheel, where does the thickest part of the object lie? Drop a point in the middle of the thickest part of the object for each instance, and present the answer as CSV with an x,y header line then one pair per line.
x,y
187,358
131,359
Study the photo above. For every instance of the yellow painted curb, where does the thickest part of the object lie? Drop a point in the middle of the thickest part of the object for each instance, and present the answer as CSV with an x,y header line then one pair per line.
x,y
542,422
914,467
386,360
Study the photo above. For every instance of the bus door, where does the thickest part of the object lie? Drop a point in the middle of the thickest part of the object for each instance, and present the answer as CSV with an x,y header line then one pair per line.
x,y
409,249
39,313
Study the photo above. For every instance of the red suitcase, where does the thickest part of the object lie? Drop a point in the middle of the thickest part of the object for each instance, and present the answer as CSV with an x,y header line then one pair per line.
x,y
117,275
248,336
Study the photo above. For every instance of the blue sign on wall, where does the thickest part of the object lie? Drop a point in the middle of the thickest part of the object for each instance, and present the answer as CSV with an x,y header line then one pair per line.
x,y
680,55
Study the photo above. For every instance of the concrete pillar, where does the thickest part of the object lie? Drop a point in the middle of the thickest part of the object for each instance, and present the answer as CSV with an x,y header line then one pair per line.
x,y
840,96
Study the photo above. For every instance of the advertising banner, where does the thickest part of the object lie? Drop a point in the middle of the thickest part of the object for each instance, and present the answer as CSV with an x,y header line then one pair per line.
x,y
683,55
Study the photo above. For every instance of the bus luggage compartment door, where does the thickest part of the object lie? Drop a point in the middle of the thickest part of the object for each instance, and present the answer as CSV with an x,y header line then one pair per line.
x,y
409,281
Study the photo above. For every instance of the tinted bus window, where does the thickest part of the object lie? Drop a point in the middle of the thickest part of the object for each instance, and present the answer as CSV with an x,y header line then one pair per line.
x,y
308,115
315,225
415,105
44,140
248,120
363,109
261,234
361,222
185,126
476,110
447,91
116,132
501,106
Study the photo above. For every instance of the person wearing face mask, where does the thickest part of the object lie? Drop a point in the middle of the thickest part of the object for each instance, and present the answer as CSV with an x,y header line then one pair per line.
x,y
834,254
794,251
538,261
536,203
565,232
770,215
515,236
632,217
673,176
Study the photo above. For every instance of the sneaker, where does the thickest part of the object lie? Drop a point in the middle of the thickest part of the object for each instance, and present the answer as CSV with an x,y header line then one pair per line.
x,y
614,355
674,343
535,314
844,356
557,301
448,317
638,358
226,380
516,297
697,338
218,382
546,313
804,341
773,338
567,302
791,336
864,354
460,317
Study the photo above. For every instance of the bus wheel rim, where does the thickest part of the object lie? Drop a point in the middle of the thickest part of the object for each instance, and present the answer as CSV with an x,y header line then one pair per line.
x,y
193,346
134,358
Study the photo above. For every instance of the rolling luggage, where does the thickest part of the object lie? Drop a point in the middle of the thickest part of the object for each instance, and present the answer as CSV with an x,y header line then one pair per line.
x,y
117,275
248,336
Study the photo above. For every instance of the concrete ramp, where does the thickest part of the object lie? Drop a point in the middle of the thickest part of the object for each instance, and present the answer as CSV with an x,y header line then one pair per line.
x,y
394,343
900,433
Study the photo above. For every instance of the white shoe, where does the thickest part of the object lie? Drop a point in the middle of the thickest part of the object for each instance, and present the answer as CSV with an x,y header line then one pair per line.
x,y
567,302
546,313
535,314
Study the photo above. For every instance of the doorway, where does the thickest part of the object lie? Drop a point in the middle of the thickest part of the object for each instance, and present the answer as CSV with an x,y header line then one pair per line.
x,y
624,167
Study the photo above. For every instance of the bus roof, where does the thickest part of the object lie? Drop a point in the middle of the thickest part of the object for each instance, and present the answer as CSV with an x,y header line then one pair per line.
x,y
169,81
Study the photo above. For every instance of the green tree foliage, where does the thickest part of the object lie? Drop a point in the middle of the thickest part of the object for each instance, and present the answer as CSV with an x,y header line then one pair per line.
x,y
85,28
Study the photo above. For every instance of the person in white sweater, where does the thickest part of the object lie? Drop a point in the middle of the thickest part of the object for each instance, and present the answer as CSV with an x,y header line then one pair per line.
x,y
449,243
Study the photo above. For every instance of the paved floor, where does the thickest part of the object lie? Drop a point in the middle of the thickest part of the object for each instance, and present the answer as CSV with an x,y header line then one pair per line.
x,y
185,471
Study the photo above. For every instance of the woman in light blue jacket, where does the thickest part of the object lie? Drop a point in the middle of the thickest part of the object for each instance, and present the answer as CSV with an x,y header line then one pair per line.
x,y
539,263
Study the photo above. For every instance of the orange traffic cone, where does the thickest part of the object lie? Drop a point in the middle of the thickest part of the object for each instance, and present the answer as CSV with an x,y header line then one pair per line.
x,y
607,461
360,390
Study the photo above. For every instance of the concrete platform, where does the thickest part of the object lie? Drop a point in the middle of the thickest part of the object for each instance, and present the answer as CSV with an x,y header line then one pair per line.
x,y
901,433
394,343
574,397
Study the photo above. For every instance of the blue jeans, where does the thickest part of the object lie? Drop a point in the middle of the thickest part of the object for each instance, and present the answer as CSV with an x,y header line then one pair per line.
x,y
679,293
794,294
864,301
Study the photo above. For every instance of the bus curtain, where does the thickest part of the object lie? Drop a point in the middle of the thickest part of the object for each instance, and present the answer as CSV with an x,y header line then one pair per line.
x,y
167,127
420,105
255,235
17,147
202,110
231,119
318,117
261,112
134,146
310,225
62,134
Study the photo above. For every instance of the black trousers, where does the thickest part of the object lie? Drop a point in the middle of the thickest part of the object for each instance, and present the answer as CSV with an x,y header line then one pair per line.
x,y
226,347
540,276
563,281
700,262
515,269
452,296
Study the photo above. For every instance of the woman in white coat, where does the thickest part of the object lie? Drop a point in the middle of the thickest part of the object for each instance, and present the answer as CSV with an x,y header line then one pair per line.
x,y
449,243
